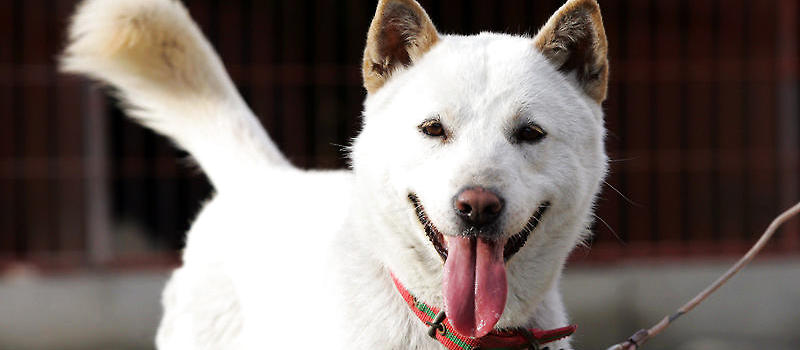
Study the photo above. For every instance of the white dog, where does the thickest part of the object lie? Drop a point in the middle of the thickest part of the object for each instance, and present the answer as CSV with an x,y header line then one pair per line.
x,y
473,178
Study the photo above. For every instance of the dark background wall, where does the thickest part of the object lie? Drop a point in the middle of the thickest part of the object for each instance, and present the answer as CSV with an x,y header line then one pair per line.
x,y
702,116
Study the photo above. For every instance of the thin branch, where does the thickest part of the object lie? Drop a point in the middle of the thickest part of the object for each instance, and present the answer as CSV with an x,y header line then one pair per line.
x,y
639,338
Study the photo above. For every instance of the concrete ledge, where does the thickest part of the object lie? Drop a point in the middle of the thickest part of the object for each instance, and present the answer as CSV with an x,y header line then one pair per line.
x,y
758,309
80,312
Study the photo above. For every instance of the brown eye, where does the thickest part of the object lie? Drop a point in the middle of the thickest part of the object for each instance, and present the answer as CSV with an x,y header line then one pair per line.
x,y
432,128
530,133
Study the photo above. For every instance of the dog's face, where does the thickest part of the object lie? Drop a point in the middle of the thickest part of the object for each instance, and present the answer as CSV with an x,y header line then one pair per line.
x,y
481,156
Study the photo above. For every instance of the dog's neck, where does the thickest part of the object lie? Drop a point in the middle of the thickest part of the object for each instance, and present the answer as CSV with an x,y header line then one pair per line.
x,y
372,301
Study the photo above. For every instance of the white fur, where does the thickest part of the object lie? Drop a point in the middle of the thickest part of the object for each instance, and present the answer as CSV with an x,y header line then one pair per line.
x,y
172,81
281,254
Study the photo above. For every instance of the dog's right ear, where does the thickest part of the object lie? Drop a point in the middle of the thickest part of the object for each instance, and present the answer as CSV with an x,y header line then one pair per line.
x,y
400,33
574,40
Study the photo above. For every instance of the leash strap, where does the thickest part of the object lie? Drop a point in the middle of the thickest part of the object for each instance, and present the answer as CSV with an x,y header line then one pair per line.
x,y
439,328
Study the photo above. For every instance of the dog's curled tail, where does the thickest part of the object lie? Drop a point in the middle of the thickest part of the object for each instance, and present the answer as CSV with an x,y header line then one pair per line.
x,y
170,80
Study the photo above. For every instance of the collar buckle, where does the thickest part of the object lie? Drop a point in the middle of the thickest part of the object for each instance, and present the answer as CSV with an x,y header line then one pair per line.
x,y
437,325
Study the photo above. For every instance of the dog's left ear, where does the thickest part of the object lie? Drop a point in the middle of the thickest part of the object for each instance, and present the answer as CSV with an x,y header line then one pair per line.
x,y
574,40
400,33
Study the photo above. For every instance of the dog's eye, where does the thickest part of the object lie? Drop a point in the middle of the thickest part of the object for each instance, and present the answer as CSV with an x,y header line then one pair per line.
x,y
530,133
432,128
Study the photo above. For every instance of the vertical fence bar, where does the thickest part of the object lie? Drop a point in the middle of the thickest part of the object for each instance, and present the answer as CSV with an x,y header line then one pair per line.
x,y
760,128
638,118
70,205
98,213
264,20
683,88
700,111
788,128
730,124
308,86
667,122
515,17
8,119
293,76
35,136
328,78
483,15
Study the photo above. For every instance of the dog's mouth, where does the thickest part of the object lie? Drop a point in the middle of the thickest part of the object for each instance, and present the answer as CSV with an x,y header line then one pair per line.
x,y
512,246
474,284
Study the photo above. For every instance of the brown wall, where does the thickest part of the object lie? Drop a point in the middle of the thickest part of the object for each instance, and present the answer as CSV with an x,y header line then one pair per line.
x,y
702,116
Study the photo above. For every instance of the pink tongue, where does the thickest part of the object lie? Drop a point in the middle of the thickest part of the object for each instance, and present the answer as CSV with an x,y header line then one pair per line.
x,y
474,285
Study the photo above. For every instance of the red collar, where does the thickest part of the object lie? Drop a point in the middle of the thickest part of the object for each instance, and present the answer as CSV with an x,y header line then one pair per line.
x,y
439,327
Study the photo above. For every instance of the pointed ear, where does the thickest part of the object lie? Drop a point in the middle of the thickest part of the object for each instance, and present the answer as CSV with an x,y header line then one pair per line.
x,y
574,40
401,33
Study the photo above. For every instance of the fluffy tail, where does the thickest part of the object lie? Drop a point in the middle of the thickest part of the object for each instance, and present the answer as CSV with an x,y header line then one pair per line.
x,y
170,80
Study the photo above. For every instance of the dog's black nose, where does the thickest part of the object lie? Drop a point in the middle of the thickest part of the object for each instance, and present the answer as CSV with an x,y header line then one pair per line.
x,y
478,206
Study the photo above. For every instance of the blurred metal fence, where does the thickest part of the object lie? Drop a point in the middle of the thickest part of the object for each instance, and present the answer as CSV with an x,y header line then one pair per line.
x,y
702,116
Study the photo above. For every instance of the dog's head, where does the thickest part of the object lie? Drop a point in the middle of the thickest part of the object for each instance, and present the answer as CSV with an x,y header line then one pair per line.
x,y
480,157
